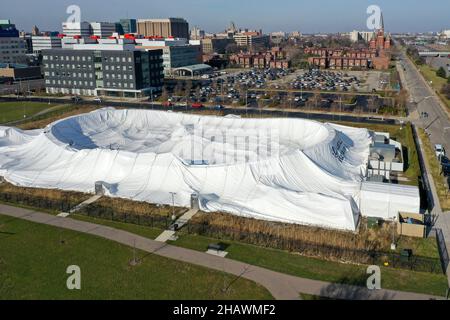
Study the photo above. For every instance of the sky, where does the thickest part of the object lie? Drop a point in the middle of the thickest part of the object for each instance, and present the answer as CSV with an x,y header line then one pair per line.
x,y
307,16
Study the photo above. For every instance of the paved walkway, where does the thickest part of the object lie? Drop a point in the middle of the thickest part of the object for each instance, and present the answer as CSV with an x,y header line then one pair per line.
x,y
281,286
85,203
170,234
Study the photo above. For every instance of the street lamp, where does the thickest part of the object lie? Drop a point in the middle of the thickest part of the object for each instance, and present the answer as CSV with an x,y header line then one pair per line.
x,y
174,217
151,96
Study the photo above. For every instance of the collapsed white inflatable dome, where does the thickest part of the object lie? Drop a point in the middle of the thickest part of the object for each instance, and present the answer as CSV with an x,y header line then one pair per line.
x,y
288,170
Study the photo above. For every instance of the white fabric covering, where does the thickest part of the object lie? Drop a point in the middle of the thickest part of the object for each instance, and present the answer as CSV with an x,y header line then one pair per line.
x,y
383,200
307,173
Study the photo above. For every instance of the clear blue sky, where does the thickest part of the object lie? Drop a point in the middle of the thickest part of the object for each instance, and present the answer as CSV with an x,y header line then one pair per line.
x,y
213,15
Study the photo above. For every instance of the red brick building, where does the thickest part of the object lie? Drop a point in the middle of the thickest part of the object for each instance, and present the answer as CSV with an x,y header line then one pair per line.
x,y
376,56
274,58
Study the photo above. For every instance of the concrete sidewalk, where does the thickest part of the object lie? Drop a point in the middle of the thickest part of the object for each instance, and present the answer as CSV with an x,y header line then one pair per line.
x,y
281,286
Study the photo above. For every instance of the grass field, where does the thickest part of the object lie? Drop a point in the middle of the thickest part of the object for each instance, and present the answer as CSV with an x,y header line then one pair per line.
x,y
33,262
439,180
54,115
437,82
311,268
144,231
318,269
20,110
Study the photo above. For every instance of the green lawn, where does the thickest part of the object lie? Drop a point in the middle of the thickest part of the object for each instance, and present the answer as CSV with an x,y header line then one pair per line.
x,y
144,231
33,262
421,247
14,111
311,268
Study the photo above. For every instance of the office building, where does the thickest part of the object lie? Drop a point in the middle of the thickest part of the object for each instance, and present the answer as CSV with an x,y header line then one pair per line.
x,y
87,29
70,42
82,29
13,49
102,29
251,39
127,26
215,45
171,27
176,52
40,43
112,67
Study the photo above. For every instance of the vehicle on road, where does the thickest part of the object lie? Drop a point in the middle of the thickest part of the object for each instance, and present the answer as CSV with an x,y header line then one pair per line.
x,y
167,104
99,100
439,150
197,105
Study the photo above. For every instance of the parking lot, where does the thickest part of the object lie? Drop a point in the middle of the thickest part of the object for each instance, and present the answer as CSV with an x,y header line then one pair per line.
x,y
233,91
226,88
326,81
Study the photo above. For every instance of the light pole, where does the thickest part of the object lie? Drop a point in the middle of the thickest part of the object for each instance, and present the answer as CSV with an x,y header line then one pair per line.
x,y
173,206
151,97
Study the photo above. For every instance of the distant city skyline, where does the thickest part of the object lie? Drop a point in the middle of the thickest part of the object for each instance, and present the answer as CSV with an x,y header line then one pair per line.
x,y
327,16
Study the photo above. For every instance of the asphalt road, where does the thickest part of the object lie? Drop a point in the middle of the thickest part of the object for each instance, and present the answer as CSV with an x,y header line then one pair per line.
x,y
375,119
437,123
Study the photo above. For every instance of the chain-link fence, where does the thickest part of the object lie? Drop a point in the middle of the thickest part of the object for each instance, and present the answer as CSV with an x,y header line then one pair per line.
x,y
372,257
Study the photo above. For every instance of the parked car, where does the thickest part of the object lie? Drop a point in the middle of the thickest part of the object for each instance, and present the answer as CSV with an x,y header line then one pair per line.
x,y
197,105
439,150
76,98
445,162
167,104
99,100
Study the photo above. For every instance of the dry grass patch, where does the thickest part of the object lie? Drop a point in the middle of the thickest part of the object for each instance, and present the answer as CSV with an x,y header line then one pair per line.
x,y
439,180
51,200
378,239
51,194
56,115
139,208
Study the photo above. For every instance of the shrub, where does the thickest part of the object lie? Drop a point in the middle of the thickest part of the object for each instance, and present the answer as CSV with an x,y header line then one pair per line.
x,y
441,73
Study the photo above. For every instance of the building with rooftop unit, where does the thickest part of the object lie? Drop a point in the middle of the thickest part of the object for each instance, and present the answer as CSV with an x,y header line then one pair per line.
x,y
112,67
40,43
176,52
170,27
13,48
